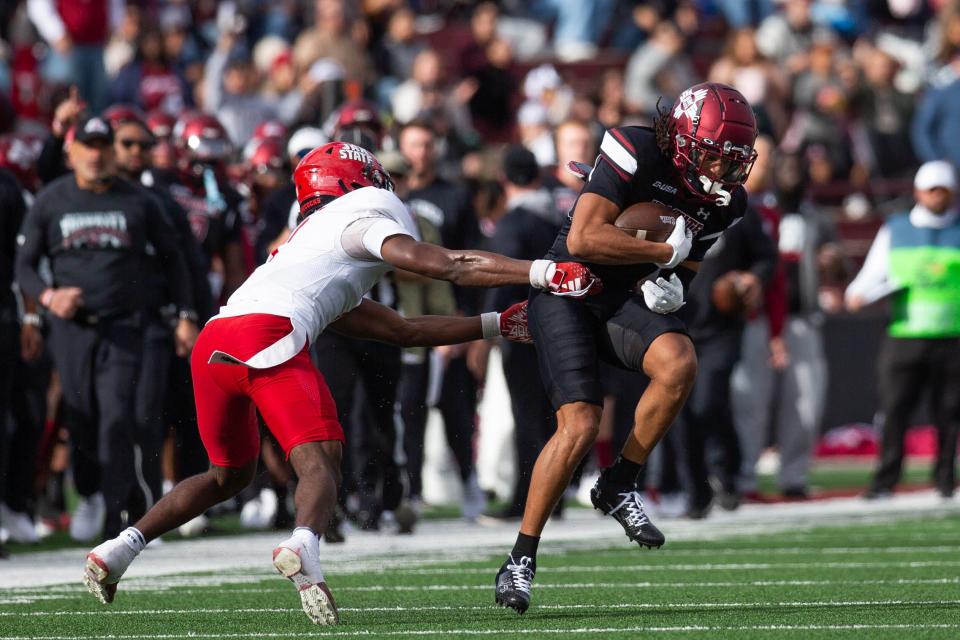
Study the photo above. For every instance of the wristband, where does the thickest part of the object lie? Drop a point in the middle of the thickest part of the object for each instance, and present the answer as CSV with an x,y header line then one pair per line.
x,y
32,319
540,273
490,322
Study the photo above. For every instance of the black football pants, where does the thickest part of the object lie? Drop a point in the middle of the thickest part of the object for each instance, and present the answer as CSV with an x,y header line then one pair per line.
x,y
906,368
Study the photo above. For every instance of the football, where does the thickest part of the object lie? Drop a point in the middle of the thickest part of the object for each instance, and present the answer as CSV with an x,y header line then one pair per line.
x,y
647,221
727,295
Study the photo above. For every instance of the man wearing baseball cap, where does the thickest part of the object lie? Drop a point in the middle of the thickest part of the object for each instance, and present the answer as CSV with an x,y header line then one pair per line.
x,y
915,259
96,230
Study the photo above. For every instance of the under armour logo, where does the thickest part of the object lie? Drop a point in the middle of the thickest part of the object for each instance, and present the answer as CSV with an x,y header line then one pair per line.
x,y
689,102
703,213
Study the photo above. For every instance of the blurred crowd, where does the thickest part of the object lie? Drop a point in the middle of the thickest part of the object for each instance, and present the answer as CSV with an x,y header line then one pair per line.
x,y
476,109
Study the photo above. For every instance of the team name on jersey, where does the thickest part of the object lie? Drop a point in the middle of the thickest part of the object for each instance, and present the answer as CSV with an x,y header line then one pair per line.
x,y
665,187
353,152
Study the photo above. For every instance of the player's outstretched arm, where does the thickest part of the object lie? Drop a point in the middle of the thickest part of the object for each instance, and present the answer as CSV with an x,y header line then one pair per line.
x,y
374,321
485,269
594,238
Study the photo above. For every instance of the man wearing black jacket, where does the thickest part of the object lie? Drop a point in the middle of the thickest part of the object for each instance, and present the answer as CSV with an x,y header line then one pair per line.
x,y
12,210
165,331
95,229
527,230
746,256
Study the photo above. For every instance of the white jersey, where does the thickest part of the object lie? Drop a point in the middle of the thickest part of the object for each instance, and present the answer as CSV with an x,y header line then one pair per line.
x,y
323,269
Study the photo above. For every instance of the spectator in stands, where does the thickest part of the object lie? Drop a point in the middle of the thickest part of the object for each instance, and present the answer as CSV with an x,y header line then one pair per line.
x,y
336,35
885,113
575,142
77,33
534,132
761,83
937,121
149,81
658,68
401,44
230,91
785,37
914,258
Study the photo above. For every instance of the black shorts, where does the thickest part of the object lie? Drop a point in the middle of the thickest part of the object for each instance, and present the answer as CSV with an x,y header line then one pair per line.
x,y
572,336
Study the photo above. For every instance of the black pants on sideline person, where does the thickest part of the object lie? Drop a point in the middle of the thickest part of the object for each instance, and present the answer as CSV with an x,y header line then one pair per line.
x,y
99,364
533,416
158,352
707,416
363,377
458,406
181,412
412,394
9,359
907,367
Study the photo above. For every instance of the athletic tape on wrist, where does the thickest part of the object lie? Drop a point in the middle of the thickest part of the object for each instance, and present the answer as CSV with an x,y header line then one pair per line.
x,y
490,322
539,273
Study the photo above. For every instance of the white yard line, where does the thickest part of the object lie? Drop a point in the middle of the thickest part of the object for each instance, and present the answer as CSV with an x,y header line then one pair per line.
x,y
437,542
664,606
508,632
68,593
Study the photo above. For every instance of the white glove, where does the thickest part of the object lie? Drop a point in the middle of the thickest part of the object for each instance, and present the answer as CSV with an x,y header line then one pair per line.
x,y
663,296
681,240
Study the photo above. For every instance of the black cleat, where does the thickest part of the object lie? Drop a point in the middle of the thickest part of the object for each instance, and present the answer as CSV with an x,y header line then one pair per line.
x,y
626,507
513,583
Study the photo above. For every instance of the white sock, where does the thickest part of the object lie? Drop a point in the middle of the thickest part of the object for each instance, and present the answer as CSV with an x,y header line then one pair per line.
x,y
133,539
306,535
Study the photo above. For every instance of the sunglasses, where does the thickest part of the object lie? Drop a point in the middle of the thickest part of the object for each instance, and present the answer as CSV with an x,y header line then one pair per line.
x,y
143,144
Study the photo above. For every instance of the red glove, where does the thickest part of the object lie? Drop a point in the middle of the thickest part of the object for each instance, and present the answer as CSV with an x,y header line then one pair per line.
x,y
513,324
574,280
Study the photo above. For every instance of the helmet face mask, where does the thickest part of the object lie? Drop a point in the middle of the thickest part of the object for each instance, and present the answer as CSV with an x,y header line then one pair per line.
x,y
712,131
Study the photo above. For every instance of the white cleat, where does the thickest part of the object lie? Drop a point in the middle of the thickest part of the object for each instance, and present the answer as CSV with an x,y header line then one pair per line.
x,y
87,519
295,562
105,566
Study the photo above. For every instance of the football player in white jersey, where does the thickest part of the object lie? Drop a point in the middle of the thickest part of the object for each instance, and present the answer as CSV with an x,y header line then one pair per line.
x,y
254,354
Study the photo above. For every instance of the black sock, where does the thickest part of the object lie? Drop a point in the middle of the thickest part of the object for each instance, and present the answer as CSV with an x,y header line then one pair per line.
x,y
623,473
525,546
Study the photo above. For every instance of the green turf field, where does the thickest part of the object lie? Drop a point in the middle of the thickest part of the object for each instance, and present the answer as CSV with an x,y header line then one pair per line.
x,y
896,580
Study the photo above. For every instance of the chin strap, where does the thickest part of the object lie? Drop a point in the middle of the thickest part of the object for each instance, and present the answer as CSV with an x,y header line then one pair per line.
x,y
713,187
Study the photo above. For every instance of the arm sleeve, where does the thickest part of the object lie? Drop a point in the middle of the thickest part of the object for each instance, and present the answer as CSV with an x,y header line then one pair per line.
x,y
169,253
43,14
379,229
34,245
775,300
763,254
51,164
213,80
875,273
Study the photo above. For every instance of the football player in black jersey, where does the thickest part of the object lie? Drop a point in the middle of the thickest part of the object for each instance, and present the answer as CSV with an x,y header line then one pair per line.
x,y
694,160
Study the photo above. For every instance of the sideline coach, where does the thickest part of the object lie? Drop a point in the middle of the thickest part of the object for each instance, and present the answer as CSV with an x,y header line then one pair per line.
x,y
96,228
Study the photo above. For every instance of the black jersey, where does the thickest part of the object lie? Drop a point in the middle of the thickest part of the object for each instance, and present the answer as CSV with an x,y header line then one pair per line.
x,y
98,242
631,169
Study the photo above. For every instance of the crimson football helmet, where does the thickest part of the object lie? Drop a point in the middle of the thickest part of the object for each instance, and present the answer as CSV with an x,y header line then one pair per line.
x,y
120,114
203,138
712,130
335,169
19,154
268,155
269,129
359,122
160,124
